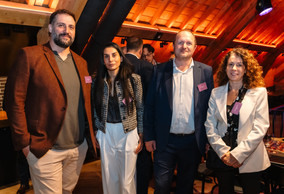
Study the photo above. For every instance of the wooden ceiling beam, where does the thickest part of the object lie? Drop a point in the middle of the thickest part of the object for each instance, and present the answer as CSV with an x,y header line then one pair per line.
x,y
226,20
273,29
53,4
242,17
163,5
23,14
142,6
74,6
270,57
195,10
205,15
38,2
147,31
279,38
176,14
30,2
245,34
216,19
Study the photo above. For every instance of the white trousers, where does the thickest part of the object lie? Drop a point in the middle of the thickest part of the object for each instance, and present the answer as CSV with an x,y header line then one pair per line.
x,y
58,170
118,160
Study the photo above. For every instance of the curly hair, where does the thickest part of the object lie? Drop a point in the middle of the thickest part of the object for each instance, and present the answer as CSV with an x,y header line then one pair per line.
x,y
253,76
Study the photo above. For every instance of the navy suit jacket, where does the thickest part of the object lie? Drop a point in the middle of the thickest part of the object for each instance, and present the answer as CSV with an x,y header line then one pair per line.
x,y
159,104
142,68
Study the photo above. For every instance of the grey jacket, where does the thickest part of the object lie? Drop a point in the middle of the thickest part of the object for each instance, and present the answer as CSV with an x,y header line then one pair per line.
x,y
129,122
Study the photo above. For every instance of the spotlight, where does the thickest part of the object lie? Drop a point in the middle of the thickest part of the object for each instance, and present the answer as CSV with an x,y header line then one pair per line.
x,y
263,7
158,36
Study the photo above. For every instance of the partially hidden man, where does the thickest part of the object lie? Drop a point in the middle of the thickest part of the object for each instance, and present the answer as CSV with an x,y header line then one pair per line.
x,y
48,105
175,112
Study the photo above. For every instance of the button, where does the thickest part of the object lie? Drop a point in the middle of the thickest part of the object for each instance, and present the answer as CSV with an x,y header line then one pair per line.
x,y
126,129
123,118
63,109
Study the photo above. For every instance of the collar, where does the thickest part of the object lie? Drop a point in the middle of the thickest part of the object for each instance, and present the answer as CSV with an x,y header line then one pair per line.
x,y
133,55
176,70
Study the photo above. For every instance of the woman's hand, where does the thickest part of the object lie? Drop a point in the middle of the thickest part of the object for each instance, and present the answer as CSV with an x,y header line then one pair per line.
x,y
230,160
96,141
140,144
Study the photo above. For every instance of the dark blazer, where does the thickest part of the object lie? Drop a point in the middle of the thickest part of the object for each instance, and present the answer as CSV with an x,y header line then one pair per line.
x,y
142,68
36,99
159,104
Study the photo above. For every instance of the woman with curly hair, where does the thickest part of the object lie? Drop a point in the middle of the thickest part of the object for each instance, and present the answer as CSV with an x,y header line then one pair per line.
x,y
237,121
118,114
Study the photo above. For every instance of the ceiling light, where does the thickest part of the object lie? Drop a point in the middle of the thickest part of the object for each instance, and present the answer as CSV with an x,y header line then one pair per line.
x,y
263,7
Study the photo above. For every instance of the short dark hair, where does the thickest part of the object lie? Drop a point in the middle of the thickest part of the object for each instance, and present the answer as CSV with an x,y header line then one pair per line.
x,y
134,43
60,11
149,47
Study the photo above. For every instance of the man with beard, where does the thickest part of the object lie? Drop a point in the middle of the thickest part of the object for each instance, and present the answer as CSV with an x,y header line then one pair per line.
x,y
175,112
48,105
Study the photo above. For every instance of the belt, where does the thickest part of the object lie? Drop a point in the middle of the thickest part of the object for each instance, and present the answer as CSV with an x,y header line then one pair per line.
x,y
181,134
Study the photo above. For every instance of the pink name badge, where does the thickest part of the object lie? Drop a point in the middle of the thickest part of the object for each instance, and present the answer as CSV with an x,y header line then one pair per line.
x,y
236,108
123,100
202,87
88,79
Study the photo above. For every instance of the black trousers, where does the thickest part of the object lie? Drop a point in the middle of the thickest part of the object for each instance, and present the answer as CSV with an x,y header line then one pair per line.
x,y
250,182
144,168
181,152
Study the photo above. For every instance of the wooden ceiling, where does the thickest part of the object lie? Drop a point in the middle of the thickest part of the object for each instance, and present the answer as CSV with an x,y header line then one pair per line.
x,y
218,25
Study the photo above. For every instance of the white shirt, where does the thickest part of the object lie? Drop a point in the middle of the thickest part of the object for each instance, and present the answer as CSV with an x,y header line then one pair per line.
x,y
183,101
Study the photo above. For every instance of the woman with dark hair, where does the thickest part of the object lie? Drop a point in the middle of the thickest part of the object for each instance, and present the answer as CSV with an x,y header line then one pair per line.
x,y
118,114
237,121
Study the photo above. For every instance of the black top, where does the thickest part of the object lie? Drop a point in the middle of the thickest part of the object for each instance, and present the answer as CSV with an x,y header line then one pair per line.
x,y
231,135
113,114
233,125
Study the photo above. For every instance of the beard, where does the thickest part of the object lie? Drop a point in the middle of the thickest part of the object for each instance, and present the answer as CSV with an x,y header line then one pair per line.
x,y
60,42
183,55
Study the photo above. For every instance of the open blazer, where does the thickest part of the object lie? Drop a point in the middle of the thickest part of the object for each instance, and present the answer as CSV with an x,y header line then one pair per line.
x,y
36,100
253,125
129,122
159,104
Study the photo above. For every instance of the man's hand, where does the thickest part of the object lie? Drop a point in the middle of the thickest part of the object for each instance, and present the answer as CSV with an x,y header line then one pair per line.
x,y
150,145
26,150
230,160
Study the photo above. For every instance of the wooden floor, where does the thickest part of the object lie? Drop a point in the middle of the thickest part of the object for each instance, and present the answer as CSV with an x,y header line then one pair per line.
x,y
90,182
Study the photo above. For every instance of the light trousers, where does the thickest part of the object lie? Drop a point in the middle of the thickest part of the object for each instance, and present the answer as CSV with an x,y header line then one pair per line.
x,y
118,160
58,170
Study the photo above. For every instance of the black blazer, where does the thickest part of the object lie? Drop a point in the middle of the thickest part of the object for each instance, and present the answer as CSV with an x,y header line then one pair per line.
x,y
142,68
159,104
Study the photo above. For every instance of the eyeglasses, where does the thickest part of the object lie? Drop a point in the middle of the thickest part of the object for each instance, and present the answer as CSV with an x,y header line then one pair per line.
x,y
147,55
